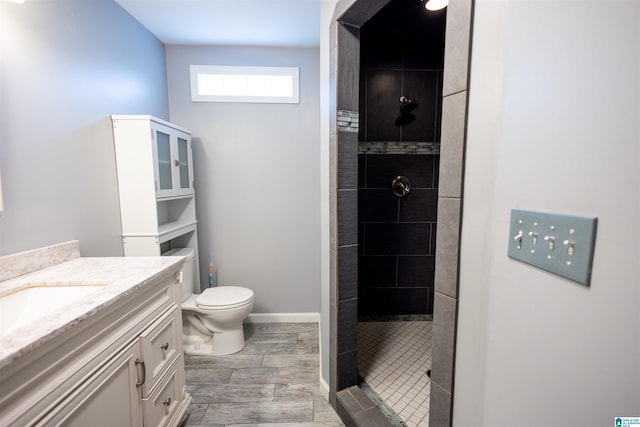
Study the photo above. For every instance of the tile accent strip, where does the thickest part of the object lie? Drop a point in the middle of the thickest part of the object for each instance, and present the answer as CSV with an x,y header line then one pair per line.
x,y
348,121
397,147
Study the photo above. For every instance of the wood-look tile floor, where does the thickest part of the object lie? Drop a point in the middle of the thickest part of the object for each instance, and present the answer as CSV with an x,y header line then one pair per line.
x,y
272,382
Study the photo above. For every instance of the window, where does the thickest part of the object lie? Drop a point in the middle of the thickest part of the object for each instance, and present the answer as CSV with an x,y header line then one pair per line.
x,y
216,83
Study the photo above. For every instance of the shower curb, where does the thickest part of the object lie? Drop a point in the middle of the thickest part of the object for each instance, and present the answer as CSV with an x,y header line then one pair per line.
x,y
357,409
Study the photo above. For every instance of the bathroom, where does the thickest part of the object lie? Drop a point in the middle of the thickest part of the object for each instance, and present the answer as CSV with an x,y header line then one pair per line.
x,y
53,134
65,71
74,138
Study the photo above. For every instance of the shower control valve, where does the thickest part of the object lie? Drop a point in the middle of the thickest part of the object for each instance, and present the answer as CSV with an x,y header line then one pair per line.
x,y
401,186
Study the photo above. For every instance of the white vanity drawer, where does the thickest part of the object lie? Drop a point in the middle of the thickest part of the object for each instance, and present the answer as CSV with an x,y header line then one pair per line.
x,y
160,346
159,408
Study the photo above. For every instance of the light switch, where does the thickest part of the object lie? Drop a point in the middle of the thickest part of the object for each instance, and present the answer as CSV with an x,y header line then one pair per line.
x,y
558,243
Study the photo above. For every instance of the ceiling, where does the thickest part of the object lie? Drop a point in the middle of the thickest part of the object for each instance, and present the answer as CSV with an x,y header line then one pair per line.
x,y
287,23
402,23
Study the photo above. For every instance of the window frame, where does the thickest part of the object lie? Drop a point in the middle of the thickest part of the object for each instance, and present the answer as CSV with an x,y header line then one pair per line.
x,y
294,72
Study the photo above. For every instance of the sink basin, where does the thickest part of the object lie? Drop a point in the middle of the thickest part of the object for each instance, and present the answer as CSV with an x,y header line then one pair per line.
x,y
37,300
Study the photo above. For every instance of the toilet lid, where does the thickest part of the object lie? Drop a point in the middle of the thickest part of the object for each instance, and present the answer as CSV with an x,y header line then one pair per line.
x,y
223,297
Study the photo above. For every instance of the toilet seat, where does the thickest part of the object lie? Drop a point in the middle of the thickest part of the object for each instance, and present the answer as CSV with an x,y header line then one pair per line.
x,y
224,298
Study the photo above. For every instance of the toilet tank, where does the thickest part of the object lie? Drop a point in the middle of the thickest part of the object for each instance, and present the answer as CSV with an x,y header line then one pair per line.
x,y
188,272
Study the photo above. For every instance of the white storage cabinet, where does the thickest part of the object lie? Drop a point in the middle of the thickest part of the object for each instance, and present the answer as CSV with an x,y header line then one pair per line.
x,y
155,183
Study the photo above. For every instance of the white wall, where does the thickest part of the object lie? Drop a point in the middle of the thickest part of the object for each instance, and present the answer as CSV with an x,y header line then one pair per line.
x,y
554,124
257,180
66,65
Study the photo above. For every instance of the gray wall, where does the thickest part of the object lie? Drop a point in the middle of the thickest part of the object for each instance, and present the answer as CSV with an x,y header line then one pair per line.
x,y
67,65
257,179
553,125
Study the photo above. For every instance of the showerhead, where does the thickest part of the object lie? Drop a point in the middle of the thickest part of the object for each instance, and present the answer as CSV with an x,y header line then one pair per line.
x,y
407,105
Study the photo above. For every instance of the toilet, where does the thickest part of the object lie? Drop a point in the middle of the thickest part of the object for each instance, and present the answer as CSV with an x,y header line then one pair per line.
x,y
212,320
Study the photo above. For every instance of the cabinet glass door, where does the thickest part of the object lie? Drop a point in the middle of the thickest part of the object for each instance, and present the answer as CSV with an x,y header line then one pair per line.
x,y
183,162
164,160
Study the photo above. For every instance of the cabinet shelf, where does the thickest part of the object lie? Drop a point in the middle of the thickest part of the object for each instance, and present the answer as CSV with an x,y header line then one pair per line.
x,y
166,198
171,230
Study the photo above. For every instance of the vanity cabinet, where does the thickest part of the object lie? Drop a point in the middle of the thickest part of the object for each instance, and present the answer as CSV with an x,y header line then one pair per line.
x,y
109,396
123,366
154,165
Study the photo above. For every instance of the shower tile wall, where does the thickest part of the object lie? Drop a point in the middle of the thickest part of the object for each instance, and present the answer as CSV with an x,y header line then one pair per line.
x,y
396,237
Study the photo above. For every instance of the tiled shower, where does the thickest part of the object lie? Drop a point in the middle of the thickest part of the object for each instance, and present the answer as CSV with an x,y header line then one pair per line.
x,y
353,15
401,57
401,54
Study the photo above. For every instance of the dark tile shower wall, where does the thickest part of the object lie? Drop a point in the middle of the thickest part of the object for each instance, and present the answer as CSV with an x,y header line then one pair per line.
x,y
396,236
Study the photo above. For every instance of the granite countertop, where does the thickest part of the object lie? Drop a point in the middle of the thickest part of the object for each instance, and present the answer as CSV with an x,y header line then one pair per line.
x,y
121,275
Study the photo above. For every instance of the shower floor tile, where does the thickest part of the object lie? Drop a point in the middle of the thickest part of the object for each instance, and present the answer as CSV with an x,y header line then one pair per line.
x,y
393,358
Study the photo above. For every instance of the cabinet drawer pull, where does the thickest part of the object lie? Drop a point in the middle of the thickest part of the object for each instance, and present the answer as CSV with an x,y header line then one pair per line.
x,y
167,402
144,372
165,346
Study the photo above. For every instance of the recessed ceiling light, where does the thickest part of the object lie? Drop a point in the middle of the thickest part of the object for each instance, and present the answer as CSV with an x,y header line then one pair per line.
x,y
436,4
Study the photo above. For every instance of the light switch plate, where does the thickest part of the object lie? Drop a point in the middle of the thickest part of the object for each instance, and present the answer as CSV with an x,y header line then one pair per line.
x,y
558,243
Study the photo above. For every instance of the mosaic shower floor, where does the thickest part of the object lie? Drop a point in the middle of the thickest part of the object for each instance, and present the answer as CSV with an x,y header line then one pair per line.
x,y
393,358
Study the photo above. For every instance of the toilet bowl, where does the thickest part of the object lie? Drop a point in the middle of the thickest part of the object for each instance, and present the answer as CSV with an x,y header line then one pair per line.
x,y
212,320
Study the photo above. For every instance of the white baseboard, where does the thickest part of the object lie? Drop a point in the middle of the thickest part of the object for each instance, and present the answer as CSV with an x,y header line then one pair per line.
x,y
284,318
324,388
